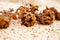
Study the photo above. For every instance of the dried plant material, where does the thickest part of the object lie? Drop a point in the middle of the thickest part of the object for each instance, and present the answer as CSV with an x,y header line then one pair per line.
x,y
57,16
4,21
46,17
28,19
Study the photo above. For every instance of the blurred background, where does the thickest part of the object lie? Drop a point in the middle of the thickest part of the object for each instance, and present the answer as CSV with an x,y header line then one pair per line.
x,y
31,1
43,3
20,1
27,1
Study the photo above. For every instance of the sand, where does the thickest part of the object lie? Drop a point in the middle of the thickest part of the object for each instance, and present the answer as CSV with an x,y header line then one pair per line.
x,y
16,31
